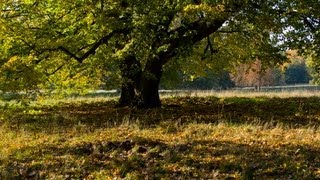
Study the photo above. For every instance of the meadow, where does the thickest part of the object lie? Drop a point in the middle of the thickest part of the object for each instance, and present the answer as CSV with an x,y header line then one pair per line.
x,y
198,135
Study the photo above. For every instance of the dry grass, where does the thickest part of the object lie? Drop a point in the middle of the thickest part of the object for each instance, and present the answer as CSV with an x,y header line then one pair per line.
x,y
239,93
188,138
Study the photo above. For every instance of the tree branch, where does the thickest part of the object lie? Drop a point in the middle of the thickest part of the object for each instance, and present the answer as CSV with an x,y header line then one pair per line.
x,y
95,46
194,32
56,70
200,29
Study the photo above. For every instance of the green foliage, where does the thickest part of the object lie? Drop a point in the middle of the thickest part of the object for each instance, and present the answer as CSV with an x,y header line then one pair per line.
x,y
209,80
313,67
42,42
297,73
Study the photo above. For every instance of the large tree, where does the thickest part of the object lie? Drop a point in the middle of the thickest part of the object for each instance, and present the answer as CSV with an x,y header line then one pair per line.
x,y
78,38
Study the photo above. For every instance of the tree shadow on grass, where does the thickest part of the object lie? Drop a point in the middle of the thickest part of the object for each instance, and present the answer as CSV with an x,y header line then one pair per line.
x,y
146,158
290,112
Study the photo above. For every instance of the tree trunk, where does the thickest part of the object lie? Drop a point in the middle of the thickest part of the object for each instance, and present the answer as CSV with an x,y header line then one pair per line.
x,y
127,96
150,92
131,76
140,89
150,84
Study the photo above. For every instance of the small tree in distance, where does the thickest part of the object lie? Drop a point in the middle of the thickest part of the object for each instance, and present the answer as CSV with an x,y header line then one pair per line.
x,y
256,75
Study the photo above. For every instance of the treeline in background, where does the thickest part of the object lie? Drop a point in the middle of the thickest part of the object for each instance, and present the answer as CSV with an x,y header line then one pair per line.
x,y
296,71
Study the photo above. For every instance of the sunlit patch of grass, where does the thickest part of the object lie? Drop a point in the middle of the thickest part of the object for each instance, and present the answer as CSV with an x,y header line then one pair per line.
x,y
239,93
198,137
196,150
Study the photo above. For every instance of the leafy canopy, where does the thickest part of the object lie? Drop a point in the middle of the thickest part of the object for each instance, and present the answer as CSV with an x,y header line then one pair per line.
x,y
80,43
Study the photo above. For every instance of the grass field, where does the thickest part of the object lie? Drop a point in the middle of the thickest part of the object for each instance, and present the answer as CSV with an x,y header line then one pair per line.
x,y
248,136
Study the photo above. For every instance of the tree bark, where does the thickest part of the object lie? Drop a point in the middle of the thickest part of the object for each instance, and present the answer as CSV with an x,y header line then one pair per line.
x,y
127,96
131,76
150,84
140,88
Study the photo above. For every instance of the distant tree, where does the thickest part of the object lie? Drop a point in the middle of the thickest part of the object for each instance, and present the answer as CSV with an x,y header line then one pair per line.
x,y
275,76
208,80
296,70
257,74
225,81
297,73
211,80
